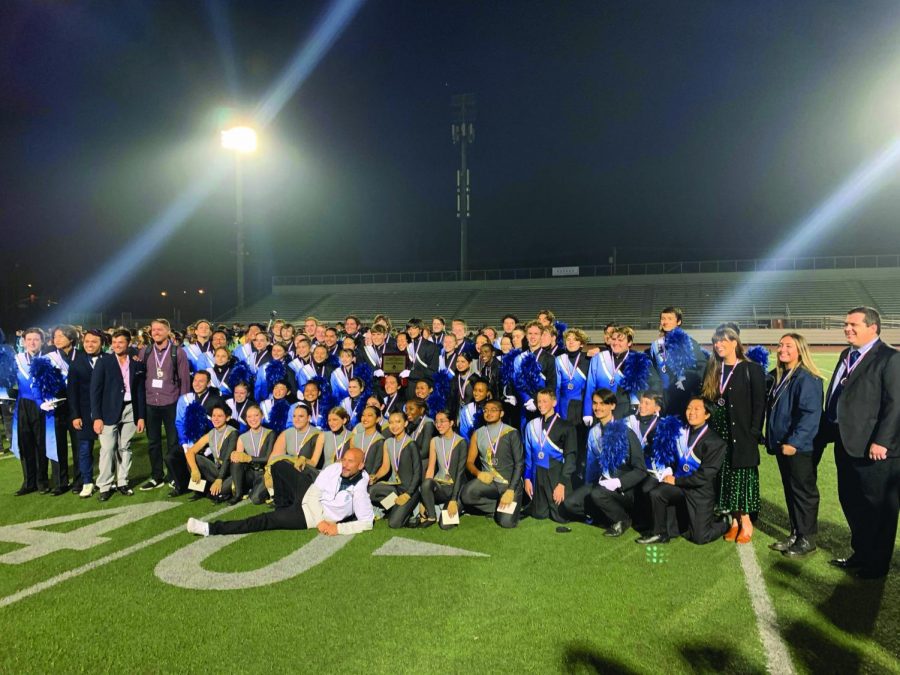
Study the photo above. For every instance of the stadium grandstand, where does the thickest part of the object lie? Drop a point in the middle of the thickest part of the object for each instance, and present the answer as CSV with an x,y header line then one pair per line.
x,y
805,293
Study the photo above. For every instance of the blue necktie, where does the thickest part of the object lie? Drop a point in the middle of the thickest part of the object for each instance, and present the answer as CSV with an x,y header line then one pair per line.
x,y
831,411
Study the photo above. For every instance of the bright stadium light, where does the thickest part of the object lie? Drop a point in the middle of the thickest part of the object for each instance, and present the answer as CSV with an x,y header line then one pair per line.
x,y
239,139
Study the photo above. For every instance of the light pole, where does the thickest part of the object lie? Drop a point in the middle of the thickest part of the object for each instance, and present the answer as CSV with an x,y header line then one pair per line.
x,y
241,140
463,133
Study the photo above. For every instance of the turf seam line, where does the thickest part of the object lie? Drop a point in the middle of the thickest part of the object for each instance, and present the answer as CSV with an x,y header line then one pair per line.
x,y
778,658
94,564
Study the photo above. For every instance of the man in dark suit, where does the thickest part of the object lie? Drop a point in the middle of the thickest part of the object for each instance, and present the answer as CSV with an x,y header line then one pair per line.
x,y
424,357
79,394
118,409
862,419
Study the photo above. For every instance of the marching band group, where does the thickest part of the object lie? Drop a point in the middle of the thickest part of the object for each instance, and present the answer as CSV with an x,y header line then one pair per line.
x,y
336,426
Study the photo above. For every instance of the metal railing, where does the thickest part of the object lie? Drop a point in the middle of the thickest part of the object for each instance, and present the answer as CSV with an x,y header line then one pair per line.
x,y
622,269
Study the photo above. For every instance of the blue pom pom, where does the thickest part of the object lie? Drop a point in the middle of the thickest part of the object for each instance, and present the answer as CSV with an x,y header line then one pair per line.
x,y
679,352
529,376
364,372
438,398
635,373
665,441
278,416
560,340
7,367
276,371
760,355
508,368
327,398
196,422
47,378
614,447
240,372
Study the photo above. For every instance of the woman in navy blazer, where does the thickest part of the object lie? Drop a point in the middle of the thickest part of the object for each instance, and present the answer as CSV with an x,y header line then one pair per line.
x,y
793,410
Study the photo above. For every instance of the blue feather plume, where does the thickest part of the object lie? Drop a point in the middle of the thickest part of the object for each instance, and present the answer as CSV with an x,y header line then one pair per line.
x,y
333,361
276,372
760,355
560,329
635,373
508,368
477,419
196,422
528,375
665,441
278,416
47,378
439,396
364,372
7,367
679,352
327,399
614,447
240,372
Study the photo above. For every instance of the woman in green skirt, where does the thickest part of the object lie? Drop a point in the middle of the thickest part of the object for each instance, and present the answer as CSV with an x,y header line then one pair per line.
x,y
737,388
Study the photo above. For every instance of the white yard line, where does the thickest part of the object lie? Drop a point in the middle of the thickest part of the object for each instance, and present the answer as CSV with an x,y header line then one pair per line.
x,y
778,658
78,571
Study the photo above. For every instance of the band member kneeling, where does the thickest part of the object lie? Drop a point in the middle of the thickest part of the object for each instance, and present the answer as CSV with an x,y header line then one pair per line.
x,y
336,502
550,455
445,473
686,463
399,494
496,460
614,468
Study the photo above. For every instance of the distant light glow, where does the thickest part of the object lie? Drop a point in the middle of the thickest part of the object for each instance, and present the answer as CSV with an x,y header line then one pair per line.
x,y
239,139
864,182
163,293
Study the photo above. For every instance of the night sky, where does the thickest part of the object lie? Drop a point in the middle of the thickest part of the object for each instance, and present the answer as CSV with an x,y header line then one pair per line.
x,y
671,130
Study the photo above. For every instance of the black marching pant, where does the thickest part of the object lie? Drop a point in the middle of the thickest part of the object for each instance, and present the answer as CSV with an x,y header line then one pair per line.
x,y
698,505
869,492
801,494
30,429
598,503
542,504
159,417
398,515
484,498
290,487
434,493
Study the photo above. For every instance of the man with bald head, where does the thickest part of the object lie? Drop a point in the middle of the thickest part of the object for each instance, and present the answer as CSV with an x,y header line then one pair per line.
x,y
337,502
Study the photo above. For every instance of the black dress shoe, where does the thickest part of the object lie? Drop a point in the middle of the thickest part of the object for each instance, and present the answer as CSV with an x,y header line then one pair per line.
x,y
801,548
653,539
76,488
24,491
850,563
616,529
56,492
175,492
784,544
44,490
197,496
235,500
105,495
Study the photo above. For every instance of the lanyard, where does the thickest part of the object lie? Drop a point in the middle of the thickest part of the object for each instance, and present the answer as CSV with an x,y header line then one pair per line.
x,y
570,373
366,445
217,441
690,449
445,458
160,360
612,361
492,445
778,390
395,455
545,433
302,440
723,381
338,452
649,429
254,443
461,384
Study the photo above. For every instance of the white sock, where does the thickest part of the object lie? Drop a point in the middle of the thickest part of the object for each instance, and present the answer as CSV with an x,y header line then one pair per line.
x,y
198,527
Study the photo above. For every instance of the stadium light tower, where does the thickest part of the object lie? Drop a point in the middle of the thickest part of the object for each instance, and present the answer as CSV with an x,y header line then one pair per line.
x,y
463,134
241,141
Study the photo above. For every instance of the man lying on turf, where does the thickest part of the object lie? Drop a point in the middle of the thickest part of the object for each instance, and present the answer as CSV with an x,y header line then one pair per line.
x,y
337,502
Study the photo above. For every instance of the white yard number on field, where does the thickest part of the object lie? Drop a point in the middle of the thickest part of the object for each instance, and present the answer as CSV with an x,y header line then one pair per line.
x,y
41,542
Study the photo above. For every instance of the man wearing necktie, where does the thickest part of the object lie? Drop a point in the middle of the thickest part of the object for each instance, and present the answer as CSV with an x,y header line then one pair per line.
x,y
862,419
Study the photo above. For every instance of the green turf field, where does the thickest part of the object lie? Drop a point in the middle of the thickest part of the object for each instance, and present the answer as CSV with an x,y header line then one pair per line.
x,y
538,601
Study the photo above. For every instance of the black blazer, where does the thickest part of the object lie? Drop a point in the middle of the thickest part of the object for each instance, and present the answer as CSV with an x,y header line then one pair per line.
x,y
427,360
633,472
79,393
108,390
745,402
868,410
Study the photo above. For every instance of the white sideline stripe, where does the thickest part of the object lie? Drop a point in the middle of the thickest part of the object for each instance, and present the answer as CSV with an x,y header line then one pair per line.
x,y
94,564
778,658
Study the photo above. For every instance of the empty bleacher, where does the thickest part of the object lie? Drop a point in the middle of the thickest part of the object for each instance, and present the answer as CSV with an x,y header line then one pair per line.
x,y
707,299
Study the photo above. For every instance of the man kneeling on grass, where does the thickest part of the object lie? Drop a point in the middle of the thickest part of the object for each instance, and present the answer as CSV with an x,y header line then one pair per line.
x,y
337,502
